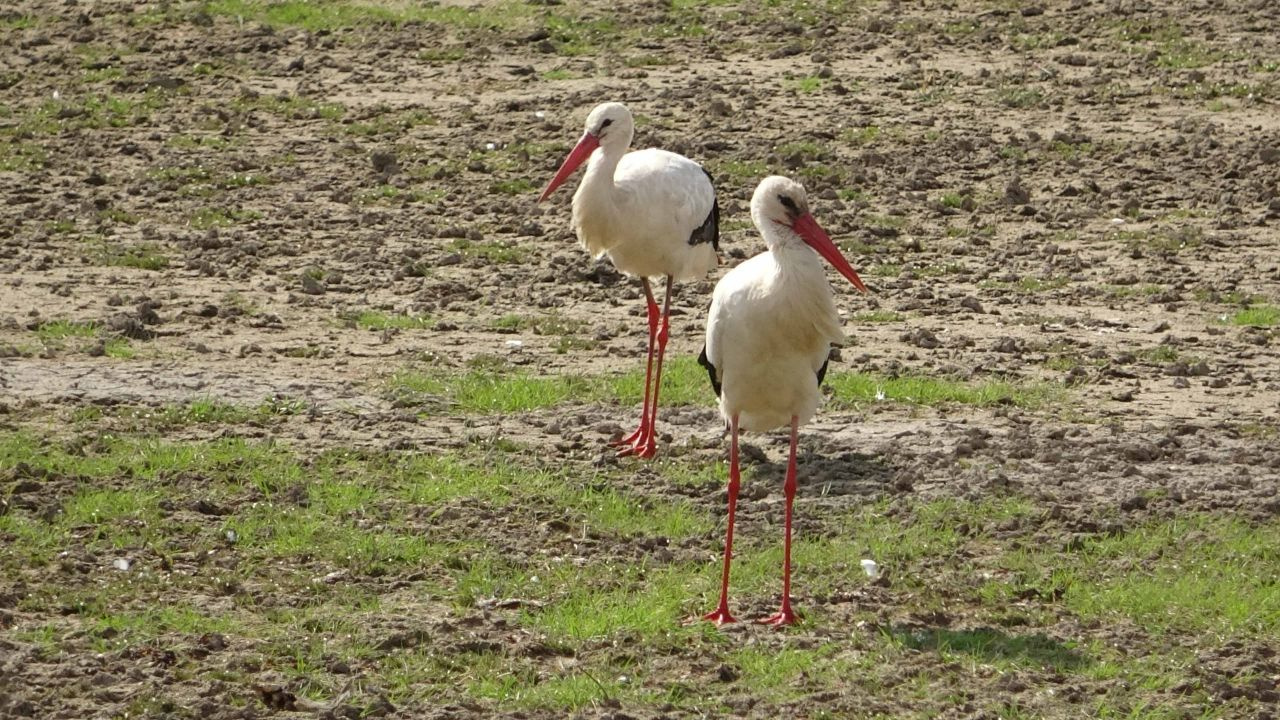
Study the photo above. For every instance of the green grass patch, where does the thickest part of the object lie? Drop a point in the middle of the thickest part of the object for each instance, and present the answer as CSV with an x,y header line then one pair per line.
x,y
807,85
1164,241
379,320
333,15
864,135
91,112
119,348
1220,583
1257,316
18,22
851,389
873,317
236,536
581,34
1129,291
211,217
21,156
143,257
490,250
504,389
1158,354
56,331
1027,285
741,171
1020,96
515,186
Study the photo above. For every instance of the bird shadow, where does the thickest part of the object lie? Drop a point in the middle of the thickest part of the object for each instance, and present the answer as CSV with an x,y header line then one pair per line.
x,y
992,645
848,473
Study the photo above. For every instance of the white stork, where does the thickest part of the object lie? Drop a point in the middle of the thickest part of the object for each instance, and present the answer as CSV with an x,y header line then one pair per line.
x,y
770,330
654,213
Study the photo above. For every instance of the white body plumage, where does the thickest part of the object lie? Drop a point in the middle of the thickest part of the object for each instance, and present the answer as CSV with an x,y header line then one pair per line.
x,y
772,323
641,209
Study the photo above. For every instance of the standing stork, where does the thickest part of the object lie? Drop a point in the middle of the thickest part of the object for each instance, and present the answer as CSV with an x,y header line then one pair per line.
x,y
654,213
770,330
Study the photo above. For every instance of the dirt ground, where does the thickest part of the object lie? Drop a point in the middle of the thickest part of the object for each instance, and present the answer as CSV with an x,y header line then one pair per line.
x,y
1077,193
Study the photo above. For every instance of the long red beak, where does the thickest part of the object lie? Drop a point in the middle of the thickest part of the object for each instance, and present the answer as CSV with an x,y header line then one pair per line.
x,y
815,237
577,156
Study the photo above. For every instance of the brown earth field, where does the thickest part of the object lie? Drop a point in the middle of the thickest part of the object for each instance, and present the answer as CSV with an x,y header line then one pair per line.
x,y
304,398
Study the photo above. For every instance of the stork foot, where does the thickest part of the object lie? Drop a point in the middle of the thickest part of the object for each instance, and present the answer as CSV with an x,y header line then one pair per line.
x,y
644,449
782,618
640,443
720,616
629,439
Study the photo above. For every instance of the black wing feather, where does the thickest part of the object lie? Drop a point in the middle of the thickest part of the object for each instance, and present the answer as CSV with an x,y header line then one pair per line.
x,y
705,362
709,231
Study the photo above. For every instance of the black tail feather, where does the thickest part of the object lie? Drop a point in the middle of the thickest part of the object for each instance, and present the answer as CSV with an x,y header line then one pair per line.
x,y
705,362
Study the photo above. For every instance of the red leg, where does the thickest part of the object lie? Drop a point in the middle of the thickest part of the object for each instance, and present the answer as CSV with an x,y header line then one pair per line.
x,y
646,444
785,616
721,615
634,437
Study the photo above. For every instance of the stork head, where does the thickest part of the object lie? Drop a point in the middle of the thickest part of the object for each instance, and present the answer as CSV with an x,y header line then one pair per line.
x,y
780,208
610,126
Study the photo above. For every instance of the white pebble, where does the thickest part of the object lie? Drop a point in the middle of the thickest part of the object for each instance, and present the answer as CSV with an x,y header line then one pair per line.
x,y
121,564
870,568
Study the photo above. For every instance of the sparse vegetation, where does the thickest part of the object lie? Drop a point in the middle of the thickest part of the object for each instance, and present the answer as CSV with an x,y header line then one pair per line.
x,y
210,217
494,252
379,320
851,389
1257,316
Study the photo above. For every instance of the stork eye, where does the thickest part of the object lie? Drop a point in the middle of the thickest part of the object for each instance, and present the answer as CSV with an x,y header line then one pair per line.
x,y
788,203
606,123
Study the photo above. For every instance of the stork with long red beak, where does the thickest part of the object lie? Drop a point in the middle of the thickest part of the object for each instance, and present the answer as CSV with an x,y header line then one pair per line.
x,y
654,213
769,333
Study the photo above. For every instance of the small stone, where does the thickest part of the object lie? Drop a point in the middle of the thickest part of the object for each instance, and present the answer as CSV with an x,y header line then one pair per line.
x,y
384,162
1007,345
1136,502
1076,376
312,285
1015,194
970,302
787,51
921,338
